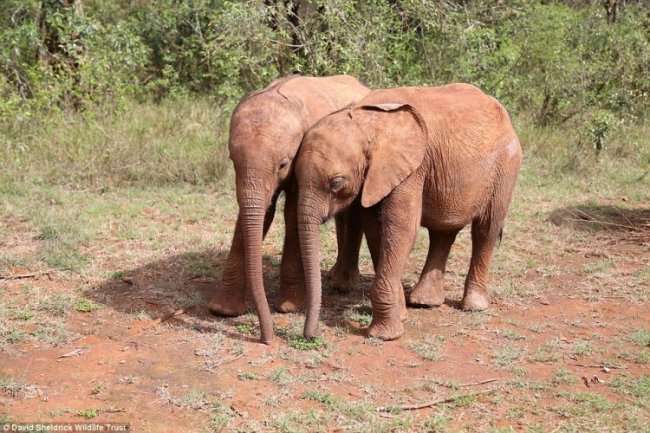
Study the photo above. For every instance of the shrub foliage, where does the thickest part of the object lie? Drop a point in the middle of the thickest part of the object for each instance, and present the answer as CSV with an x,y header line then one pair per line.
x,y
580,63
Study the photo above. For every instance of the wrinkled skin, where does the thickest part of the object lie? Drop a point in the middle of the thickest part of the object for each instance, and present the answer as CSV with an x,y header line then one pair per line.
x,y
440,157
265,132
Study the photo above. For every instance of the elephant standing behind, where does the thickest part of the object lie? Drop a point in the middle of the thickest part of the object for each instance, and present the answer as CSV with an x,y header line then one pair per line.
x,y
440,157
266,129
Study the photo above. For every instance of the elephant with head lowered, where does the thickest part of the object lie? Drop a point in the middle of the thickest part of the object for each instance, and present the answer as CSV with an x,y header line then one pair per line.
x,y
266,129
440,157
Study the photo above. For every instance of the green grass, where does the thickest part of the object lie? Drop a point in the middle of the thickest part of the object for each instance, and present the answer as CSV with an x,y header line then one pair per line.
x,y
505,356
247,375
547,352
428,348
157,233
179,140
84,305
88,413
641,337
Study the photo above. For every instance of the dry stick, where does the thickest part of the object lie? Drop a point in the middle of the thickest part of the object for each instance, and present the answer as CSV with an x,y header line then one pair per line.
x,y
590,218
163,318
22,276
595,365
463,385
433,402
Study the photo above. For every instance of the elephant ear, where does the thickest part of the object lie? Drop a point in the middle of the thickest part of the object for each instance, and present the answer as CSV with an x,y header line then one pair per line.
x,y
397,149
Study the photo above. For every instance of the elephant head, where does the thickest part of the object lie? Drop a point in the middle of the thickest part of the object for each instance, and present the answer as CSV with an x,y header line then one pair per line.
x,y
357,153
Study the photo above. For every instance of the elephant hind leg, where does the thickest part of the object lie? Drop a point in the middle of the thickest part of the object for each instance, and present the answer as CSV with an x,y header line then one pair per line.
x,y
485,235
429,292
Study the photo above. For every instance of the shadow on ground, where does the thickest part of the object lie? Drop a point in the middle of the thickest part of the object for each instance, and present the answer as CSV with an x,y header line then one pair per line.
x,y
630,223
178,288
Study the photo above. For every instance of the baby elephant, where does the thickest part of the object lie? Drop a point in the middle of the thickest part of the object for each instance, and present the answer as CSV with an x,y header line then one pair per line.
x,y
440,157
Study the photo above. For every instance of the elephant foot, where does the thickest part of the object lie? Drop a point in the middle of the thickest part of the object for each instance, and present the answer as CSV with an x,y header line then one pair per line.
x,y
290,301
426,297
387,330
222,305
343,281
403,313
475,301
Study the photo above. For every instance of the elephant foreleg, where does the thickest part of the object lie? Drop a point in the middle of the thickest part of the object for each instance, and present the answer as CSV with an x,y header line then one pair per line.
x,y
429,292
345,273
292,295
401,214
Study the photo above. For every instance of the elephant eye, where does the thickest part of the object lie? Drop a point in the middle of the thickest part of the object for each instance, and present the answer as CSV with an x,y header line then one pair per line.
x,y
284,162
336,183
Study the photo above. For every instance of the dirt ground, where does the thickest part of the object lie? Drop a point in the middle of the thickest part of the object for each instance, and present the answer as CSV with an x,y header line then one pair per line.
x,y
126,338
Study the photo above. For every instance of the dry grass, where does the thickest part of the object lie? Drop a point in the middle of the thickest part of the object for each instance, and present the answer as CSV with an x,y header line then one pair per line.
x,y
129,270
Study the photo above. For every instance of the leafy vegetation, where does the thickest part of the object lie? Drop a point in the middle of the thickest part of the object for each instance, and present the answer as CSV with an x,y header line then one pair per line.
x,y
139,92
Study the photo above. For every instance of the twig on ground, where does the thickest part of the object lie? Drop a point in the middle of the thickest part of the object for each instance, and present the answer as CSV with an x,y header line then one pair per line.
x,y
77,352
165,317
434,402
29,275
114,410
595,365
463,385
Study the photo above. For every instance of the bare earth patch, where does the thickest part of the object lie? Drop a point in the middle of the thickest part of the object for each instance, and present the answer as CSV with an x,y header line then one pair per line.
x,y
113,327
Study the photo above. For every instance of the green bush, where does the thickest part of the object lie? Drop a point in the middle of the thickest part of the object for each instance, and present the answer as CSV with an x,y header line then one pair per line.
x,y
69,71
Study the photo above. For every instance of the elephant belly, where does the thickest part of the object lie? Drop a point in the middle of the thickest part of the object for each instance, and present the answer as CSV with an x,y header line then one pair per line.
x,y
447,208
444,217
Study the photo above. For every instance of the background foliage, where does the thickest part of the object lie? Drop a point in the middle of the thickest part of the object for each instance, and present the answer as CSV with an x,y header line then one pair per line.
x,y
80,65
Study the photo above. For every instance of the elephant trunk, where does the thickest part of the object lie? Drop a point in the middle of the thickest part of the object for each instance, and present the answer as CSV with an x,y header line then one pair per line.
x,y
252,213
308,230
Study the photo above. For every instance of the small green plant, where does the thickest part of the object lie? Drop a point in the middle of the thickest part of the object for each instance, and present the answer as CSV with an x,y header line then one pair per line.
x,y
509,334
323,397
280,376
238,348
641,337
428,348
301,343
247,375
245,328
361,314
547,352
14,336
88,413
438,422
506,355
582,348
563,376
584,403
10,386
56,305
84,305
601,124
220,417
130,379
23,314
